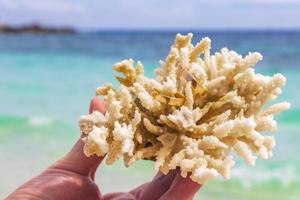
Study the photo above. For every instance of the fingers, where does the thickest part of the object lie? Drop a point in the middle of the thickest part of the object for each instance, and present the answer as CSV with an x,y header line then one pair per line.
x,y
119,196
137,191
75,160
157,187
181,188
97,104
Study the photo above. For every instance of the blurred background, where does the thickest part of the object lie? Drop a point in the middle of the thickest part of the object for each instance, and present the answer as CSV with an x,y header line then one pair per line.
x,y
54,53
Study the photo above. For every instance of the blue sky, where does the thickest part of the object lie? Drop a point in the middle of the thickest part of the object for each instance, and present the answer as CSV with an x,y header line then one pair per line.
x,y
148,14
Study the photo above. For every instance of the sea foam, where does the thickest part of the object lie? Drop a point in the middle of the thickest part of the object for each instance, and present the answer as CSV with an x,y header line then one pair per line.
x,y
39,120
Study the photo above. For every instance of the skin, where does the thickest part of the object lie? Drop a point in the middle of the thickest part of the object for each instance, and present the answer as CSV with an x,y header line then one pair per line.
x,y
73,178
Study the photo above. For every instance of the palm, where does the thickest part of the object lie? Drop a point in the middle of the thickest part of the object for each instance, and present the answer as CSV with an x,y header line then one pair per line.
x,y
60,184
72,178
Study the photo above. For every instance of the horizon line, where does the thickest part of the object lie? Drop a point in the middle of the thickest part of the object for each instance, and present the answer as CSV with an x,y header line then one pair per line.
x,y
170,30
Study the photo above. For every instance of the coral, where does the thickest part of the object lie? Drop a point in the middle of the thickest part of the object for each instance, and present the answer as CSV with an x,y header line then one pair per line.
x,y
198,110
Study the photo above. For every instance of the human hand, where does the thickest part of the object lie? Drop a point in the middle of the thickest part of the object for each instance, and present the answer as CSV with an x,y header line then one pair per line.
x,y
73,178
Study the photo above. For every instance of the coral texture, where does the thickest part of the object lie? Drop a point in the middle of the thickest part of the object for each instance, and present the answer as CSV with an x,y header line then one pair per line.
x,y
198,110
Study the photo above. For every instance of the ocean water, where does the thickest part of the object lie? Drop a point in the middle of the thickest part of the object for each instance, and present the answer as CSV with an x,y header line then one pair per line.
x,y
47,81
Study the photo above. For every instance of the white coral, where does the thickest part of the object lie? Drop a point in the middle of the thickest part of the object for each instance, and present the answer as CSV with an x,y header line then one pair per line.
x,y
124,134
96,142
193,115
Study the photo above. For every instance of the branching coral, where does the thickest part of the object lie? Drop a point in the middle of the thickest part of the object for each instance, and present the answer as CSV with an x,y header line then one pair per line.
x,y
198,110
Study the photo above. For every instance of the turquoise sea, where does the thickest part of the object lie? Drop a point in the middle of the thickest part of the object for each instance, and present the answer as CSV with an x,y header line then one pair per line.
x,y
46,82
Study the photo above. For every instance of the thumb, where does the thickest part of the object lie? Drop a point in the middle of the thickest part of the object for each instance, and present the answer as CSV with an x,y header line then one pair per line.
x,y
76,161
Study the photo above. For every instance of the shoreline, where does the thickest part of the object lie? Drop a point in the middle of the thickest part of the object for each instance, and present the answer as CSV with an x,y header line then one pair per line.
x,y
35,29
